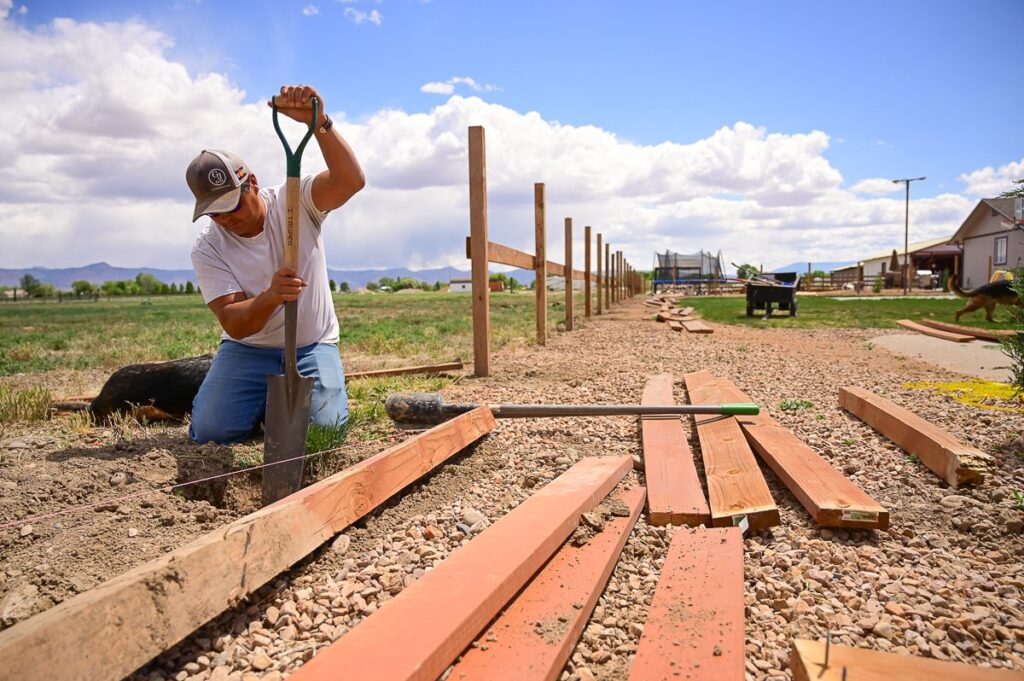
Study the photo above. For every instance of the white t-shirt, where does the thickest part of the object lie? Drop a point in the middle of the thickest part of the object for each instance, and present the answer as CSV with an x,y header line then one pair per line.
x,y
226,263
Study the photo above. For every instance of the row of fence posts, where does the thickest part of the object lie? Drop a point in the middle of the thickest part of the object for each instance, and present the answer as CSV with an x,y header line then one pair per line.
x,y
616,282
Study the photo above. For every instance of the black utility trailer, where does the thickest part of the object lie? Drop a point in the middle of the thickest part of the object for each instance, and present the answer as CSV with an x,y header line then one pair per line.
x,y
778,288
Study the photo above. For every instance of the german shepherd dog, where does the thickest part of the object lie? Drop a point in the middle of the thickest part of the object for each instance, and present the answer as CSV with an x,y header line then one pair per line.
x,y
986,296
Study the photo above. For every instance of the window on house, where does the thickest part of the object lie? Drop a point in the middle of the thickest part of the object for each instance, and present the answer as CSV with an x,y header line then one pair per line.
x,y
1000,255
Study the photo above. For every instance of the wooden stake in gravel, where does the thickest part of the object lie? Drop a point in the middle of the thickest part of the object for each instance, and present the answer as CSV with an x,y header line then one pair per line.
x,y
674,494
421,631
830,498
480,259
535,635
807,662
955,462
736,487
110,631
694,629
540,275
568,274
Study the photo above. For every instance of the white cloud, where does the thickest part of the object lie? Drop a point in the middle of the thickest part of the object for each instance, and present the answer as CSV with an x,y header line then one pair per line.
x,y
988,182
448,86
358,16
875,185
99,125
311,10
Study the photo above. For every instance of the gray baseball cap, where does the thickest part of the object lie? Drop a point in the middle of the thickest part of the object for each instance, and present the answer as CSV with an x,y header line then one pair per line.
x,y
216,178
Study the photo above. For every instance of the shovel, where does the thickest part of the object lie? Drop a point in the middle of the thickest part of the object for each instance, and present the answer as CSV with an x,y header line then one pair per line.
x,y
288,396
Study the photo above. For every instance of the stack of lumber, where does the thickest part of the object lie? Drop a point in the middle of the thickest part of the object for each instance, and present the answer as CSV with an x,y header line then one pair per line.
x,y
679,319
934,332
807,660
994,335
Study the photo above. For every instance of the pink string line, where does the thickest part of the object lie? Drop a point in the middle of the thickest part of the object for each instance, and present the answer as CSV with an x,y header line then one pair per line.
x,y
160,490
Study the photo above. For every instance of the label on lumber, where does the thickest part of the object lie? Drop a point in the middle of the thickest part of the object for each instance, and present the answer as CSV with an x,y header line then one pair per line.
x,y
864,516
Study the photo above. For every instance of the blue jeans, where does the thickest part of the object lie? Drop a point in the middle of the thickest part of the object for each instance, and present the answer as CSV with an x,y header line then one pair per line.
x,y
232,400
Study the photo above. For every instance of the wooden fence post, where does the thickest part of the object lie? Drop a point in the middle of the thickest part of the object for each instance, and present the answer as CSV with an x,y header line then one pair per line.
x,y
586,271
600,279
607,277
478,247
540,271
568,274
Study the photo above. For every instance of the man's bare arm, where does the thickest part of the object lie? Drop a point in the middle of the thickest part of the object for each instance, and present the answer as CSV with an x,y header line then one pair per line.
x,y
242,317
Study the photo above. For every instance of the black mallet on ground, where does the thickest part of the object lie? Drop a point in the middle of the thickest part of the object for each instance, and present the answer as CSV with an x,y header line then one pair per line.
x,y
430,409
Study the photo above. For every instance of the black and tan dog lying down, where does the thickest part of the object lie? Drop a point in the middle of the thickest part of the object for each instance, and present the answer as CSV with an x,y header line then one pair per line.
x,y
156,392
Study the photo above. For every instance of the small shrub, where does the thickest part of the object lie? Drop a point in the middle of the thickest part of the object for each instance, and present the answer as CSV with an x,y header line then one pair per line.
x,y
24,405
1018,499
793,405
848,442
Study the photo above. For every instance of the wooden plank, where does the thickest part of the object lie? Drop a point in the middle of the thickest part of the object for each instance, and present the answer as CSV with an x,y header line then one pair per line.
x,y
936,333
563,594
736,487
402,371
674,493
587,310
994,335
686,311
420,632
503,255
568,276
955,462
830,498
478,233
807,662
541,271
676,326
697,326
694,629
109,631
556,268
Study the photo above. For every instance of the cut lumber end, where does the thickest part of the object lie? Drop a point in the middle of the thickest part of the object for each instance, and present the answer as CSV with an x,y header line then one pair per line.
x,y
954,461
935,333
697,326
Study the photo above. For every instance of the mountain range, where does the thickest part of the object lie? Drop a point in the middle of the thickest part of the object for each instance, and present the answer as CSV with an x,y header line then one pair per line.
x,y
99,272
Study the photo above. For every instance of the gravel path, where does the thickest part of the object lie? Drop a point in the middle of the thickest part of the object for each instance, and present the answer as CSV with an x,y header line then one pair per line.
x,y
945,581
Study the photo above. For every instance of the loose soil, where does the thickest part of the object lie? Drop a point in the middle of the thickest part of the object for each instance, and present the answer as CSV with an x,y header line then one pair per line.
x,y
944,581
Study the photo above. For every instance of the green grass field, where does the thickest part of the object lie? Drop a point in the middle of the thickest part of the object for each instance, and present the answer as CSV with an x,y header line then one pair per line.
x,y
816,312
376,330
108,334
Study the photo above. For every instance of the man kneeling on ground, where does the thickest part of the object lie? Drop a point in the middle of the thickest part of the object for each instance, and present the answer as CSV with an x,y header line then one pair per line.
x,y
236,260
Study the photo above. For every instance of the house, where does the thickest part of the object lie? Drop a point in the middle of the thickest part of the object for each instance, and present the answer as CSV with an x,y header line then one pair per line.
x,y
992,237
460,286
933,254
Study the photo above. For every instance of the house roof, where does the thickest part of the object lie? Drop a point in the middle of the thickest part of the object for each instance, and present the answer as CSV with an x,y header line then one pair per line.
x,y
1002,206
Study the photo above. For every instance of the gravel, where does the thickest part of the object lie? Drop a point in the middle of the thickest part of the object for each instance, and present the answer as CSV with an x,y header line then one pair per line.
x,y
945,581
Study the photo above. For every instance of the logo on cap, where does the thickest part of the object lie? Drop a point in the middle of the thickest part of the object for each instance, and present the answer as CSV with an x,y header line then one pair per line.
x,y
217,177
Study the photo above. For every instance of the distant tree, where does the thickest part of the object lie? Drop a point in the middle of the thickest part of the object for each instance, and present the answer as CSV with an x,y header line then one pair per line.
x,y
334,286
44,291
81,288
746,271
1015,193
404,283
819,274
372,286
189,288
147,284
29,284
345,288
388,282
438,285
173,288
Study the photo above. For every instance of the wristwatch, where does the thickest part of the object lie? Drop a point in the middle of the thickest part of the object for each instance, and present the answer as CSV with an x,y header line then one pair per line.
x,y
328,124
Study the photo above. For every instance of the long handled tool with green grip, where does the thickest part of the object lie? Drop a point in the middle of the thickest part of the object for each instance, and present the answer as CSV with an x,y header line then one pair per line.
x,y
289,396
429,409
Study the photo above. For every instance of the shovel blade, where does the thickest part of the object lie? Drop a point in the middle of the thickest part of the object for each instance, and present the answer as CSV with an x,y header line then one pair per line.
x,y
285,427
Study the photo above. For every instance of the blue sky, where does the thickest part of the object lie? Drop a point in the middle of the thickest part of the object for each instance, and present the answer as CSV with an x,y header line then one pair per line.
x,y
898,89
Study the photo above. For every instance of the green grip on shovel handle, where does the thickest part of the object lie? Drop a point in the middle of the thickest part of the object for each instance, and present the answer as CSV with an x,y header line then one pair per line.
x,y
740,409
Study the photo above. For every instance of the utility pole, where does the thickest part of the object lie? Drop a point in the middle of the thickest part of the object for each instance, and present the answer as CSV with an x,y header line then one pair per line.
x,y
906,233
